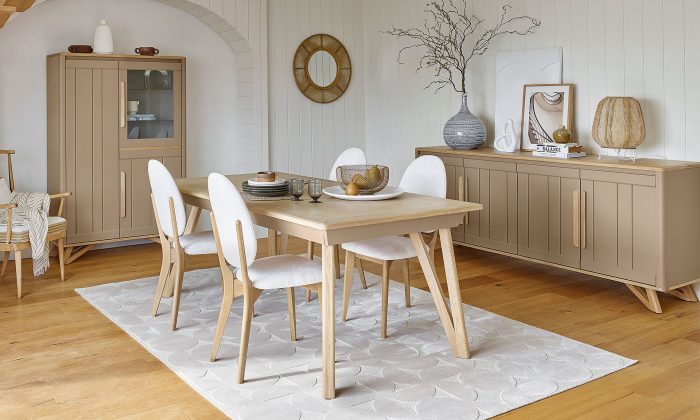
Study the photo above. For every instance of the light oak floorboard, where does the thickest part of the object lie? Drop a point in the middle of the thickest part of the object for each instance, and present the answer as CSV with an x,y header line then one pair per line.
x,y
60,357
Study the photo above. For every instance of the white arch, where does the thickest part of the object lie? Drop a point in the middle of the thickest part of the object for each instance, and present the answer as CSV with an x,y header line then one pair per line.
x,y
251,63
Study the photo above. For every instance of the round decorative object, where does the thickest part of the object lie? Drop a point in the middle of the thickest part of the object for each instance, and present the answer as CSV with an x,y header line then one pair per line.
x,y
618,123
322,68
367,178
562,135
385,194
465,130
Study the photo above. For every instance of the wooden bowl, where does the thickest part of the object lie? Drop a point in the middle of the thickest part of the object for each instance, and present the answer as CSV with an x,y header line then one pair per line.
x,y
80,49
265,176
147,51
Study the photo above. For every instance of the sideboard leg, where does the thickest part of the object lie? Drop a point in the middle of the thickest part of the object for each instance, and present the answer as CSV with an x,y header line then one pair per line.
x,y
685,293
648,297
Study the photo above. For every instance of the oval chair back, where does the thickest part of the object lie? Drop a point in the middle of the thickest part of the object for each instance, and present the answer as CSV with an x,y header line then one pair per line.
x,y
351,156
425,176
229,208
164,188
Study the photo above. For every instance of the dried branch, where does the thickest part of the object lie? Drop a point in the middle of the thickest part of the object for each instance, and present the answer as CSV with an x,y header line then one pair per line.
x,y
448,42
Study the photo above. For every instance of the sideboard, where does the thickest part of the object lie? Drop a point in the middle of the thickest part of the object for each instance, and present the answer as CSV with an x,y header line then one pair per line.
x,y
107,116
635,222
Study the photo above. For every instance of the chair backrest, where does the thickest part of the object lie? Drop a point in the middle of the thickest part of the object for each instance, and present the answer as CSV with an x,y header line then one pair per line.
x,y
228,207
352,156
426,176
163,187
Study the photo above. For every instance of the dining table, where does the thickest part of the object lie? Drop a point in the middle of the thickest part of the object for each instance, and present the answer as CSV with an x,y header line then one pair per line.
x,y
333,222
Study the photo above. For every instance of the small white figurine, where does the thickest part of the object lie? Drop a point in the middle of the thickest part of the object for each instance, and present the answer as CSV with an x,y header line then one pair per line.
x,y
507,141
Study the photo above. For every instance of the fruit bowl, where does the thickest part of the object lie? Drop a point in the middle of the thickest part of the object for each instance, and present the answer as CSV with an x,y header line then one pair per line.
x,y
365,179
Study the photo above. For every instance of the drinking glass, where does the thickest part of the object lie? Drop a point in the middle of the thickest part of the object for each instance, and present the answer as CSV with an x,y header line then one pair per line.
x,y
297,188
315,190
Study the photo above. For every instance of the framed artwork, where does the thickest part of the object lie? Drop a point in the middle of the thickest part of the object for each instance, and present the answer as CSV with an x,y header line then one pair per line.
x,y
545,108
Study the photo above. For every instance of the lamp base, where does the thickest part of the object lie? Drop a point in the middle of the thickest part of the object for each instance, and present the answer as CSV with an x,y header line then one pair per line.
x,y
621,154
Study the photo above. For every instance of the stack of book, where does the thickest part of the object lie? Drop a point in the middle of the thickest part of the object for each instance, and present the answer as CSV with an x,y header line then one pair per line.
x,y
561,151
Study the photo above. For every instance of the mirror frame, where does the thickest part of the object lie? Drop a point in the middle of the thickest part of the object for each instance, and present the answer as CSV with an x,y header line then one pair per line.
x,y
300,68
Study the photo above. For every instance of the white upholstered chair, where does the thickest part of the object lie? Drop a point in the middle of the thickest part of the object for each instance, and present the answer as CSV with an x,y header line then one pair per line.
x,y
241,273
169,211
426,176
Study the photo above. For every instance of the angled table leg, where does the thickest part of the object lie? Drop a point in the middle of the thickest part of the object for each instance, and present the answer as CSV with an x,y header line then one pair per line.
x,y
448,255
193,219
454,329
328,320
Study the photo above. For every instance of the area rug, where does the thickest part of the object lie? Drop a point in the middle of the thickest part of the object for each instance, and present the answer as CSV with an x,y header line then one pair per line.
x,y
409,375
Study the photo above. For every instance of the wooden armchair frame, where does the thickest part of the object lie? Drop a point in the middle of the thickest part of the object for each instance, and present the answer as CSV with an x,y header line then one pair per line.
x,y
7,246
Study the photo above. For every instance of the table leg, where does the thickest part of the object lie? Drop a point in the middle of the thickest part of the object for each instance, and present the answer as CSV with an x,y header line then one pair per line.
x,y
271,242
193,220
328,320
435,291
448,255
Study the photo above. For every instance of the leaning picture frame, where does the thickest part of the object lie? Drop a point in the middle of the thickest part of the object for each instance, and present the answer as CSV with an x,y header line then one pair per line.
x,y
545,108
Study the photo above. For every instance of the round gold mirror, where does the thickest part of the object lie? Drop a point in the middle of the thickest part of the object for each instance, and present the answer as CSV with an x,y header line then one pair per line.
x,y
322,68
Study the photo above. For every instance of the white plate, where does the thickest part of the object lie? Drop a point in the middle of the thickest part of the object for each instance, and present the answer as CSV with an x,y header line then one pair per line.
x,y
253,183
385,194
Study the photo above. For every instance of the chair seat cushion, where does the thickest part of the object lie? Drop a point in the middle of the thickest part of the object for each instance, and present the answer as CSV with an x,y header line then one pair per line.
x,y
282,271
389,248
200,243
20,233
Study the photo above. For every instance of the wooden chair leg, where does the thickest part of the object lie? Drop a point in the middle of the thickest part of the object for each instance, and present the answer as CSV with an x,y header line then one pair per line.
x,y
18,269
61,261
165,268
245,336
385,295
347,282
407,283
284,242
361,272
179,268
5,258
226,303
292,313
336,258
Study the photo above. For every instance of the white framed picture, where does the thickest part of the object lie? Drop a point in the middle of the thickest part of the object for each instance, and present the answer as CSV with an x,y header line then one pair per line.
x,y
545,108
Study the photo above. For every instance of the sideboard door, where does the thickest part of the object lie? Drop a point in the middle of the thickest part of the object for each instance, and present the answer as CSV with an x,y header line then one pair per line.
x,y
494,185
92,150
620,231
455,189
548,215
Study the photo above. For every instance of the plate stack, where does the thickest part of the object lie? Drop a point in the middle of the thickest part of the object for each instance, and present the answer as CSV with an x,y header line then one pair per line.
x,y
276,188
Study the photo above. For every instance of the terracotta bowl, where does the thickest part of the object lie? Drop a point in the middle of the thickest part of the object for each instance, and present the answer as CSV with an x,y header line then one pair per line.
x,y
80,49
266,176
147,51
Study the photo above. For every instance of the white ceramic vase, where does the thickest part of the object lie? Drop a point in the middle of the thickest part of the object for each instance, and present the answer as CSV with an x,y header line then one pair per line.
x,y
103,39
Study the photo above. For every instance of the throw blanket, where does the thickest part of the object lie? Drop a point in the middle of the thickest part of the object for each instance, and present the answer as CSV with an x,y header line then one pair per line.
x,y
32,212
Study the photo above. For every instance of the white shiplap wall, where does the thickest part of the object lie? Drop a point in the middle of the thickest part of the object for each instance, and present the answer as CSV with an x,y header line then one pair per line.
x,y
642,48
305,137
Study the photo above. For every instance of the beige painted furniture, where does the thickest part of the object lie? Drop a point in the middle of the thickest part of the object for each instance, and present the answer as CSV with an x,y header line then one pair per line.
x,y
632,222
91,149
336,221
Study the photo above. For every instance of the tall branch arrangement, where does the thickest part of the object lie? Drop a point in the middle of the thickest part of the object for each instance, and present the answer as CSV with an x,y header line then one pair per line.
x,y
450,41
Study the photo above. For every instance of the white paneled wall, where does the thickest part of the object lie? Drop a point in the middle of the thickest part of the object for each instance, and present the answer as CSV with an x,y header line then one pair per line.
x,y
305,137
642,48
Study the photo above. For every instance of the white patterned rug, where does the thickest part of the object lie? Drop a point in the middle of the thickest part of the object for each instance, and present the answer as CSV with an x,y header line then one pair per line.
x,y
409,375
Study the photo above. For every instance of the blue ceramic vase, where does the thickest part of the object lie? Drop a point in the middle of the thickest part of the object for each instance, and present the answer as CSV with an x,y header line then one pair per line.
x,y
465,130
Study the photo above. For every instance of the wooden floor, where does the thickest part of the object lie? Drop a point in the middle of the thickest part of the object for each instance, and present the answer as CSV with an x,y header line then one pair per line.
x,y
59,357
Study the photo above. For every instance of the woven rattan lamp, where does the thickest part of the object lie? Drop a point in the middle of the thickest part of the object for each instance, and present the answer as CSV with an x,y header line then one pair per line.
x,y
618,124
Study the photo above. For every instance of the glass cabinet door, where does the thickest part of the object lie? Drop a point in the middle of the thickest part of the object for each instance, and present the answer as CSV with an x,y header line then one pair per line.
x,y
150,108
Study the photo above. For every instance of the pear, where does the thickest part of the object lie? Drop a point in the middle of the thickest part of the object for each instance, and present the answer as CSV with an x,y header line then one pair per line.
x,y
352,189
374,175
360,181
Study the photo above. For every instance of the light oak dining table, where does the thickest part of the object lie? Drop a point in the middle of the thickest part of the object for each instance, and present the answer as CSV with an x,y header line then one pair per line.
x,y
333,222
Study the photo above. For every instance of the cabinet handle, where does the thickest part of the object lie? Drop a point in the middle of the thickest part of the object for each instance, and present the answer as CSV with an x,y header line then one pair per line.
x,y
122,193
583,220
461,195
122,104
577,219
